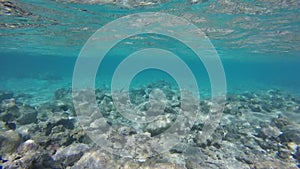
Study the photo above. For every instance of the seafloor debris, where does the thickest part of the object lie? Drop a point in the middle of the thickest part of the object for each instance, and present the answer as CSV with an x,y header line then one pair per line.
x,y
257,130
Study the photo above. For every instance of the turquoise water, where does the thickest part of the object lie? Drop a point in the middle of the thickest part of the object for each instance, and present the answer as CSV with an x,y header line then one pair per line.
x,y
257,42
245,73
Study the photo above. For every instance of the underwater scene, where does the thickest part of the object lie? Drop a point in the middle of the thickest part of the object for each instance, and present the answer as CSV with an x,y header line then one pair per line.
x,y
142,84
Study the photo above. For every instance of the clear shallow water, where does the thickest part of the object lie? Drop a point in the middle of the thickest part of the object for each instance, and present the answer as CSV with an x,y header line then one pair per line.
x,y
258,41
29,74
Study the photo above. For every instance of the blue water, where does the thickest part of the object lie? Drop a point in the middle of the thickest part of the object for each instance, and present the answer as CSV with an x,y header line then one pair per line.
x,y
257,41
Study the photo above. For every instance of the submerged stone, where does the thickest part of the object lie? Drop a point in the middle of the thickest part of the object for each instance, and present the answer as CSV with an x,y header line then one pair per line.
x,y
290,135
31,160
11,125
274,164
10,114
6,95
255,108
284,153
9,141
27,146
95,159
26,131
28,115
280,121
62,93
269,131
159,125
8,103
69,155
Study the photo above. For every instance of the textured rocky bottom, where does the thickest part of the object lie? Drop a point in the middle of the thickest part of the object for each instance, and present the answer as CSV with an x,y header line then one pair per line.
x,y
257,130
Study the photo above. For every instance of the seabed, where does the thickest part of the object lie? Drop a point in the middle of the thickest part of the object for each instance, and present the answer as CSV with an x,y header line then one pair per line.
x,y
256,130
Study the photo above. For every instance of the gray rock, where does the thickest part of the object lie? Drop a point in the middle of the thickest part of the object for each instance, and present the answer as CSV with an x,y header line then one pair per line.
x,y
58,120
69,155
269,131
268,144
11,125
22,114
255,108
30,160
27,146
280,121
6,95
126,131
178,148
10,114
284,153
159,125
9,141
8,103
28,115
95,159
141,147
276,164
62,93
26,131
291,134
